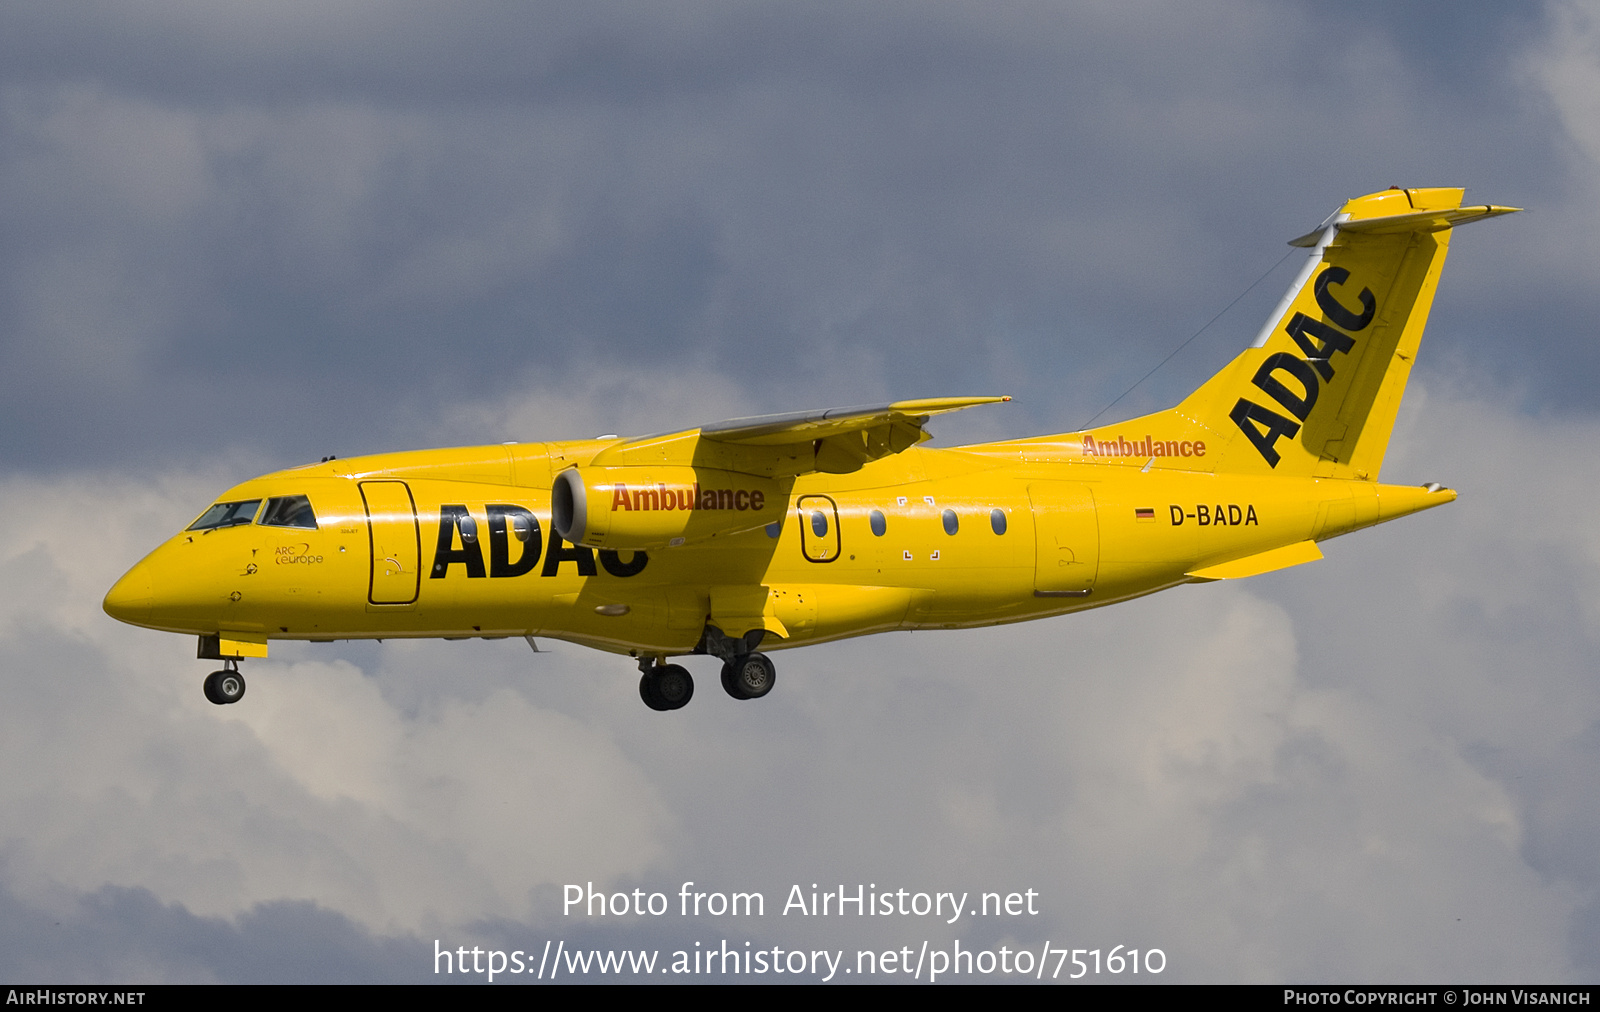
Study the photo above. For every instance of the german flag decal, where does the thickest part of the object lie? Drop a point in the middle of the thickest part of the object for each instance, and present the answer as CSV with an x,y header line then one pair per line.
x,y
1145,514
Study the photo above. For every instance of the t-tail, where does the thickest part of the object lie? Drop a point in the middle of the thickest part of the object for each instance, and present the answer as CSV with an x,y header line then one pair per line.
x,y
1318,390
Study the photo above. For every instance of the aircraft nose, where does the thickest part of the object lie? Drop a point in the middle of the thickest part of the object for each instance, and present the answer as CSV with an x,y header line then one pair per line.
x,y
130,598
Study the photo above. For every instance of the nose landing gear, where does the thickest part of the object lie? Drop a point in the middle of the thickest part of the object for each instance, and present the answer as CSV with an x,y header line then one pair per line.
x,y
225,686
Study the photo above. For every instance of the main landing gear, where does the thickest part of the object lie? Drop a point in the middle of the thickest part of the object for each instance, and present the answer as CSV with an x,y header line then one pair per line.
x,y
665,686
225,686
749,676
746,674
670,686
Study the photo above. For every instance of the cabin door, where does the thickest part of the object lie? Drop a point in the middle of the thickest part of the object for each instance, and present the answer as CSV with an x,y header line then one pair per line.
x,y
1066,539
819,528
396,542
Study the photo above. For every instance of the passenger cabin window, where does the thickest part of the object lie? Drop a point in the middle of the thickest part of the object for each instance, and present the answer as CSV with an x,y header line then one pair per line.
x,y
997,520
289,511
226,514
879,525
951,522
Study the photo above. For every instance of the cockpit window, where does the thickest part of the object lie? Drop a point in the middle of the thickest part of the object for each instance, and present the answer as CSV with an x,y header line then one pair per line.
x,y
289,511
226,514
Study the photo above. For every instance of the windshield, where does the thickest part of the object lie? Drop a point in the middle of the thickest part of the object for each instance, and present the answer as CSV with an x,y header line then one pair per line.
x,y
226,514
289,511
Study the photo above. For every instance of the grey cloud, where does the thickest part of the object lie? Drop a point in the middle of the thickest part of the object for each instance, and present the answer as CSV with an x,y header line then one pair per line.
x,y
118,935
814,207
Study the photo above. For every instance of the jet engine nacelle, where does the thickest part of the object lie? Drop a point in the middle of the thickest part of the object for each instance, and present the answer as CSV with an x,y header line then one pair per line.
x,y
639,507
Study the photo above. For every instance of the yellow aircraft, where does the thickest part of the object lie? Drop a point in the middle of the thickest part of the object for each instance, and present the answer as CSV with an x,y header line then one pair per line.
x,y
785,530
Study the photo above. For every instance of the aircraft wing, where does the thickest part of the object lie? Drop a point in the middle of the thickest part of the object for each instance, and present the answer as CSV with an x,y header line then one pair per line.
x,y
835,440
769,430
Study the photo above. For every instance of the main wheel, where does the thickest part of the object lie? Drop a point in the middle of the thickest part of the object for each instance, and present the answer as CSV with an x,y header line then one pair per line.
x,y
749,677
666,687
647,693
224,687
674,685
730,682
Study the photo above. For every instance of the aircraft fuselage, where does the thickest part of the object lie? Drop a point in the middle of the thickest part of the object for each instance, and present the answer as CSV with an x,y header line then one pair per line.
x,y
460,543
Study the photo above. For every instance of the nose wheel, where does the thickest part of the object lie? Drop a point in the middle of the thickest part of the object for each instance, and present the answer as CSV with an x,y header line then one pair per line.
x,y
225,686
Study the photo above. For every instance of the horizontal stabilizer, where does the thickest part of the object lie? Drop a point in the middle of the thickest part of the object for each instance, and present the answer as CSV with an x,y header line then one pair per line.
x,y
1414,221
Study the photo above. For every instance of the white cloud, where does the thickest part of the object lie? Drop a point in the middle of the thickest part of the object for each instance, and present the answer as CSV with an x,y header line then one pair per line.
x,y
1563,69
1569,69
119,772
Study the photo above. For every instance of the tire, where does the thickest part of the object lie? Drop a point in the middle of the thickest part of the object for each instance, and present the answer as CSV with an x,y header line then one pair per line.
x,y
224,687
647,693
730,683
673,685
752,677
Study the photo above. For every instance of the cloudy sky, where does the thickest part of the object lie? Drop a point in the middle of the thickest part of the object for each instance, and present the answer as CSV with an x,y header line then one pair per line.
x,y
238,237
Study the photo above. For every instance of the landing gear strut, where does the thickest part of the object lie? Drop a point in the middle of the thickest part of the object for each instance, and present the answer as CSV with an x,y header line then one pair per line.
x,y
665,686
225,686
746,674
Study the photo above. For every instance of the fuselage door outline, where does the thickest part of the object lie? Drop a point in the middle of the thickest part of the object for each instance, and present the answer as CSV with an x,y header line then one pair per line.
x,y
1066,539
819,528
396,542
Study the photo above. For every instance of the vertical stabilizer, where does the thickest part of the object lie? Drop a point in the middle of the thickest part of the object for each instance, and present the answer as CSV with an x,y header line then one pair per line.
x,y
1317,392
